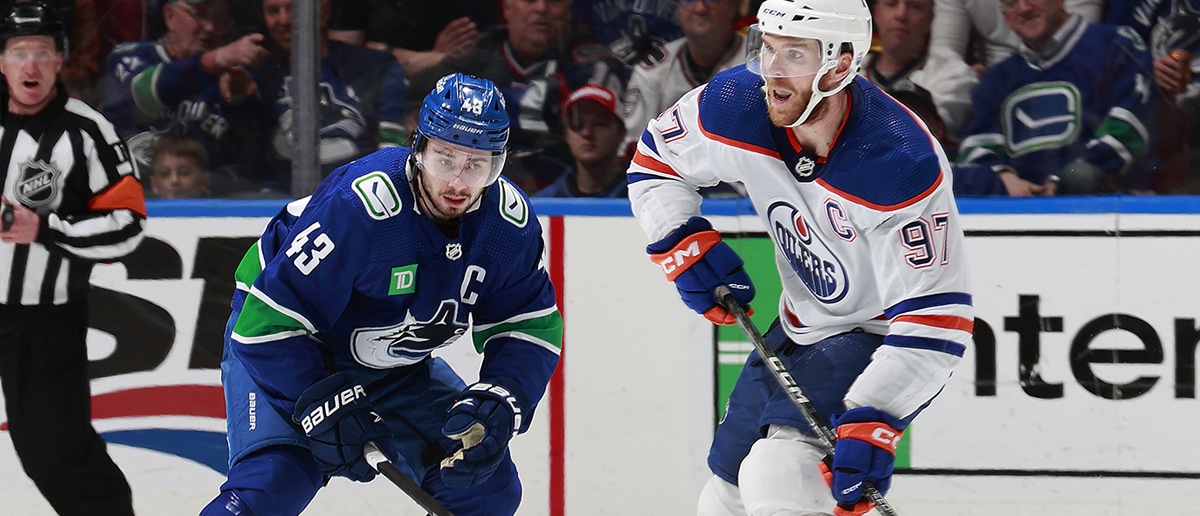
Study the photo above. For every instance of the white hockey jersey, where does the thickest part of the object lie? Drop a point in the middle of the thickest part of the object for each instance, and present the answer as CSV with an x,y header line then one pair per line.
x,y
662,78
868,237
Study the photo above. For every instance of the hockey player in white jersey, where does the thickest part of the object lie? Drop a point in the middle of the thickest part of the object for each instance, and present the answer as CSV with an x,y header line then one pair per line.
x,y
875,312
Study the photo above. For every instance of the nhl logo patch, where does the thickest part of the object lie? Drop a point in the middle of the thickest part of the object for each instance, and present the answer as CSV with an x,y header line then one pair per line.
x,y
454,251
37,184
804,166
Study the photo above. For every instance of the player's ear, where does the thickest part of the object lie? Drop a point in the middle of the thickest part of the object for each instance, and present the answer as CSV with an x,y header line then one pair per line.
x,y
845,63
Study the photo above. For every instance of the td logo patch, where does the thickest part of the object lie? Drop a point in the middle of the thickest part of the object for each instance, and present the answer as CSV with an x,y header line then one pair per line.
x,y
403,280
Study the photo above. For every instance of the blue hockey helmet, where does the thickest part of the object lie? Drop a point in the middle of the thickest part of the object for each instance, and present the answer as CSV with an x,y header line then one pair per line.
x,y
467,111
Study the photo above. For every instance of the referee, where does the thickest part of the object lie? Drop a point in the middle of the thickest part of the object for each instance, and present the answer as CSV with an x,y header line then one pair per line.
x,y
75,201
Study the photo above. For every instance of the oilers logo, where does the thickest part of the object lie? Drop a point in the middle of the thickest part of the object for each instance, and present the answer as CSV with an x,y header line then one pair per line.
x,y
814,262
410,341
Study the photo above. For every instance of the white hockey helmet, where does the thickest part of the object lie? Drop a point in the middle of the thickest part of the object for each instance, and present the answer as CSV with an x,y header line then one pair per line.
x,y
832,23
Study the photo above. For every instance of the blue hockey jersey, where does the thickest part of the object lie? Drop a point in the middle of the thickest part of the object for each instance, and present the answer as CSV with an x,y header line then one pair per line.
x,y
356,279
146,92
1090,99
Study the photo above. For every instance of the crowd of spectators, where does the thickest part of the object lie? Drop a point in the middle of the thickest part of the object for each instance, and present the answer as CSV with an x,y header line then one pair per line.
x,y
1028,97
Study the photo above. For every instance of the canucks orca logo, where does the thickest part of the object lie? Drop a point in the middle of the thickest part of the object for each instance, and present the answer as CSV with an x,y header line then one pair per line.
x,y
815,264
38,183
342,118
410,341
1042,115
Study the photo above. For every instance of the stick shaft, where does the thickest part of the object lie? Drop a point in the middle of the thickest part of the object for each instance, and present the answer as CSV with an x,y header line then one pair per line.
x,y
380,462
788,383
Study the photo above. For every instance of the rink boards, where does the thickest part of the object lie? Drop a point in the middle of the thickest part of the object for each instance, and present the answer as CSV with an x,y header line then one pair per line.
x,y
1078,397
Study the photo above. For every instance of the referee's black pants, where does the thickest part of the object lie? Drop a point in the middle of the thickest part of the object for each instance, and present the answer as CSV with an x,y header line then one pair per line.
x,y
43,370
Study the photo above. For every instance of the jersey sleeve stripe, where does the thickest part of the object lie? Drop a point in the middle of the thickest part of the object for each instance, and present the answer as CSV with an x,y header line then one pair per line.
x,y
890,207
949,322
932,300
909,341
653,165
649,142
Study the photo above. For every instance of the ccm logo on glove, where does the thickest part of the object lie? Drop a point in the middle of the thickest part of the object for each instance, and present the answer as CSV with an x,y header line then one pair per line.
x,y
320,412
687,252
874,433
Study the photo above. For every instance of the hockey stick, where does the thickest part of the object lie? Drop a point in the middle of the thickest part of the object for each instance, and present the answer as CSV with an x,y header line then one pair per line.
x,y
824,433
380,462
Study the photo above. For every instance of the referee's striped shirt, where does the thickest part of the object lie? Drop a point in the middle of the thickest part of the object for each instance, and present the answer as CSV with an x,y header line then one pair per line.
x,y
67,164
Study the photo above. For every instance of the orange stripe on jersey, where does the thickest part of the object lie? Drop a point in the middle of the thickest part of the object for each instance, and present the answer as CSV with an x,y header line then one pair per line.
x,y
737,143
125,194
646,161
891,207
949,322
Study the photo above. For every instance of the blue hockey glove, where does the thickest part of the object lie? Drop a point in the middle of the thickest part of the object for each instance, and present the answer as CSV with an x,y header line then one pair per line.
x,y
337,418
485,418
865,451
695,258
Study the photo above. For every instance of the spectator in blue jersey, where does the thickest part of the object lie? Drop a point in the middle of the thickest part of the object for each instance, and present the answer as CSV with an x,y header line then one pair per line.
x,y
344,298
418,34
534,59
630,28
361,96
1172,28
594,132
1070,113
188,81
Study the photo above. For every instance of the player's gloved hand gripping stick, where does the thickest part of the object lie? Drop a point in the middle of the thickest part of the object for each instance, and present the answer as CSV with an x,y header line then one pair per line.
x,y
380,462
697,260
781,374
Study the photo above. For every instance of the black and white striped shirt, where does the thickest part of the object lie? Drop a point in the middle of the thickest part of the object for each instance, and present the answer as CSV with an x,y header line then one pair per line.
x,y
67,164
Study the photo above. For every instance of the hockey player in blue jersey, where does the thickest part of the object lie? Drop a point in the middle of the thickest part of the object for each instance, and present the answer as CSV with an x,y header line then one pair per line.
x,y
342,301
855,193
1070,112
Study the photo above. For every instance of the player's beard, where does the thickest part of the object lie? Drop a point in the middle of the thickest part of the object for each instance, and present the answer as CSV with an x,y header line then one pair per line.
x,y
787,114
437,210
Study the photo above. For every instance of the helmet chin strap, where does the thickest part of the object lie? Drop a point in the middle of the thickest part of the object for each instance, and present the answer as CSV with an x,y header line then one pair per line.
x,y
817,95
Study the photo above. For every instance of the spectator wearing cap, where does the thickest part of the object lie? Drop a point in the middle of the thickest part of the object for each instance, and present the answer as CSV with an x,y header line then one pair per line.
x,y
536,61
594,132
903,61
709,45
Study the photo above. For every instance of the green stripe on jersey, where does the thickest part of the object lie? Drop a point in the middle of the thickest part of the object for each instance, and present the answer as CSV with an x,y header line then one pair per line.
x,y
258,319
250,267
547,328
143,93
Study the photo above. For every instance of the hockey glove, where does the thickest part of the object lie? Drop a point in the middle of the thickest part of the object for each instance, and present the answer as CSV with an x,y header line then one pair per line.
x,y
695,258
485,418
337,418
865,451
